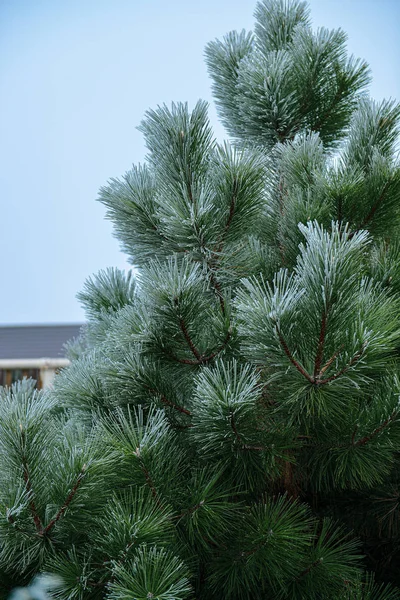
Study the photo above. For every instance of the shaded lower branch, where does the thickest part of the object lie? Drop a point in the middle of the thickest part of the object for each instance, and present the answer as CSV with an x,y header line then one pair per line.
x,y
191,510
309,568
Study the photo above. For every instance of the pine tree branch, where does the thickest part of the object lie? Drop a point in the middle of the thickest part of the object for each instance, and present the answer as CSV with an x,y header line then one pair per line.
x,y
322,120
368,438
147,216
67,502
217,288
32,505
316,380
353,437
211,268
373,210
167,402
218,350
375,207
353,361
289,483
282,212
28,485
189,340
191,510
294,362
330,361
281,194
239,439
321,343
232,207
204,359
309,568
148,478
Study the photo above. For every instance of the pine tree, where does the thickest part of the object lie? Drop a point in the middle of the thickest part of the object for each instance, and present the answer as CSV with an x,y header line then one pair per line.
x,y
229,426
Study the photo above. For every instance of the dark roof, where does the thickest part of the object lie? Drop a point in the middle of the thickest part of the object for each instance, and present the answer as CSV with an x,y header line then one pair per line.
x,y
35,341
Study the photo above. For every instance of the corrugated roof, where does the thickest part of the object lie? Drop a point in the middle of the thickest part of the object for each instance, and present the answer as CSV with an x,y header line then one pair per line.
x,y
36,341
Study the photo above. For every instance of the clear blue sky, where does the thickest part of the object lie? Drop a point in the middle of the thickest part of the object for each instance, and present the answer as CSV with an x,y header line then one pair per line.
x,y
76,77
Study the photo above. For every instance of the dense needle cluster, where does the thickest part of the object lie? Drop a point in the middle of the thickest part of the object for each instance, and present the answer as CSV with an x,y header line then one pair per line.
x,y
229,427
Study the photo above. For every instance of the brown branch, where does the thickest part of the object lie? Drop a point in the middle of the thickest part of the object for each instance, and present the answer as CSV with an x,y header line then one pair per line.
x,y
28,486
67,502
294,362
234,429
167,402
96,584
341,89
214,281
218,290
231,207
330,361
376,431
204,359
148,478
353,361
353,437
309,568
372,211
188,339
191,510
218,350
321,343
375,206
281,192
238,437
282,212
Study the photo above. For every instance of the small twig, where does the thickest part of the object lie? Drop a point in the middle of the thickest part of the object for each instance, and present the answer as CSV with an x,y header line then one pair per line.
x,y
375,206
218,290
294,362
189,340
67,502
353,361
376,431
167,402
148,478
354,434
204,359
238,437
330,361
191,510
309,568
321,343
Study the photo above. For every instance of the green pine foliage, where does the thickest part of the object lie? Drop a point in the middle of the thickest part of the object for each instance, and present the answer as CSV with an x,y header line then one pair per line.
x,y
230,424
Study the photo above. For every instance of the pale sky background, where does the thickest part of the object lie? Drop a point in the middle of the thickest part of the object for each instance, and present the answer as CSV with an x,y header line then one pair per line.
x,y
76,77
